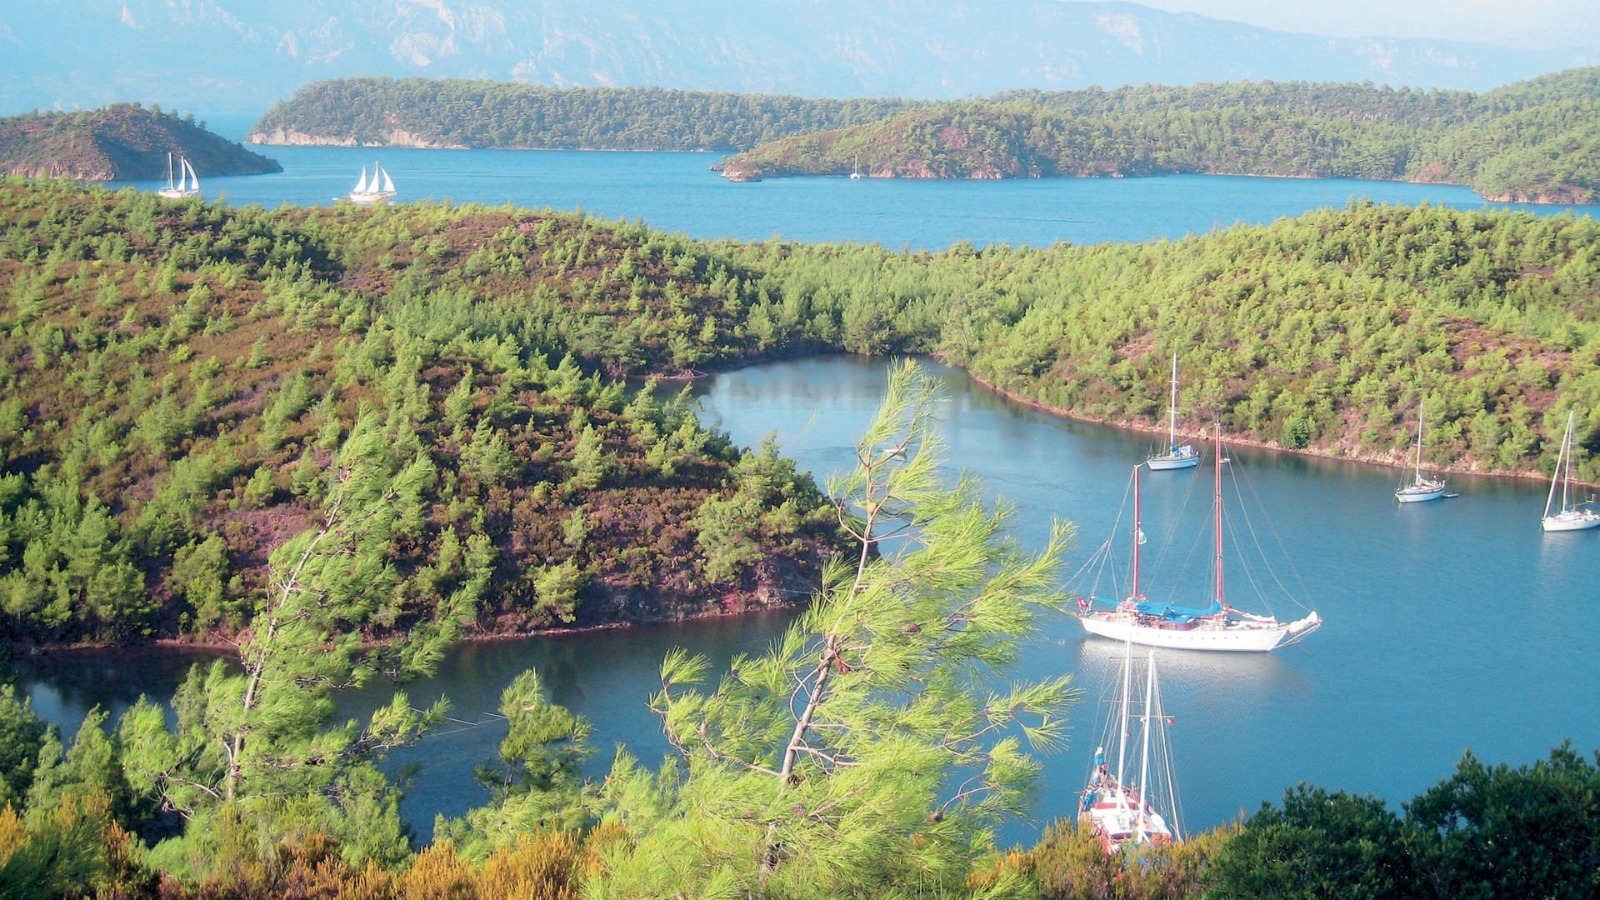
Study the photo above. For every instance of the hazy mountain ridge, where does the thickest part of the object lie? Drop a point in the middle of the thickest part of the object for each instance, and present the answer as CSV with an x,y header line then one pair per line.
x,y
172,54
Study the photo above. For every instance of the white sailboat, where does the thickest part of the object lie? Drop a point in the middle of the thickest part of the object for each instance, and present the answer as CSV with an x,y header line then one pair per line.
x,y
379,189
181,180
1217,626
1124,812
1420,488
1569,516
855,170
1176,457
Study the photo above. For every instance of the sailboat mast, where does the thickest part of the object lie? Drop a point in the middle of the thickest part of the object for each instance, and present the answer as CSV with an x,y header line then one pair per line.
x,y
1122,735
1216,515
1144,750
1137,534
1419,441
1172,407
1566,471
1562,475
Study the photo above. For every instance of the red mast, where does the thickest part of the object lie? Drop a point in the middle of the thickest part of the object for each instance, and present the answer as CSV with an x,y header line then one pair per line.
x,y
1217,515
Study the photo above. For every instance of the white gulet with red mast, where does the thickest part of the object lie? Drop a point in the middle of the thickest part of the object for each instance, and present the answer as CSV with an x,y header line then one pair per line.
x,y
1218,626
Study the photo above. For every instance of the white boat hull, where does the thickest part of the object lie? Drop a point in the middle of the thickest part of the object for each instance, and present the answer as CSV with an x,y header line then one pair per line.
x,y
1184,457
1571,520
1209,634
1418,493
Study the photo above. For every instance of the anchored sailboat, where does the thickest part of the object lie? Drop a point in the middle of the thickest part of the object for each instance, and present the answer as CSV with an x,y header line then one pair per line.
x,y
380,189
1420,488
1176,457
181,180
1570,516
1121,811
1215,627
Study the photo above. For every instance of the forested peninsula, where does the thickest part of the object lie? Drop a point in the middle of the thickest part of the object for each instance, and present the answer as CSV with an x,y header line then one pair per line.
x,y
179,378
340,439
457,113
180,375
1536,141
124,141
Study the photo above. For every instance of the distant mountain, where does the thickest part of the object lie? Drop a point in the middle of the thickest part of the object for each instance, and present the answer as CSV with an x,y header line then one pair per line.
x,y
123,141
234,56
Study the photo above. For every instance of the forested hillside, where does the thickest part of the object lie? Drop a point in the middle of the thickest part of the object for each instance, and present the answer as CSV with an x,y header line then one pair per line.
x,y
1535,141
341,438
459,113
1319,333
123,141
179,377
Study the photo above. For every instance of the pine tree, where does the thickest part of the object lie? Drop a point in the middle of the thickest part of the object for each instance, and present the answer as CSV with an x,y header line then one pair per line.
x,y
253,746
868,751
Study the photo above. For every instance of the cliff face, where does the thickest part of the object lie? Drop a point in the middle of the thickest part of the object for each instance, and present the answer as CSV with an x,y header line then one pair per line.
x,y
397,137
124,142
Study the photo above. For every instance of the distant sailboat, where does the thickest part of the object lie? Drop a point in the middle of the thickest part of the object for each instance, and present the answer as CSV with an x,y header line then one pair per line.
x,y
379,189
1216,626
181,180
1176,457
1123,812
1420,488
1570,516
855,169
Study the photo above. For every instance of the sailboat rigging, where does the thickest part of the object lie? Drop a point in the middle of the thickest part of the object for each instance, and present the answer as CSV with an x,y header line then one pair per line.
x,y
1569,516
1123,812
181,179
1176,457
1217,626
379,189
1420,488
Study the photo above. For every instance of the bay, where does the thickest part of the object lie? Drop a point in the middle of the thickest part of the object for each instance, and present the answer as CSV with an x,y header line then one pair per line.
x,y
1450,625
678,192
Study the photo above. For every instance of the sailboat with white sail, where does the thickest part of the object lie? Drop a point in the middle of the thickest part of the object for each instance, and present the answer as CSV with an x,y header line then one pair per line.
x,y
1217,626
1569,516
1125,813
182,181
1177,456
378,189
1420,488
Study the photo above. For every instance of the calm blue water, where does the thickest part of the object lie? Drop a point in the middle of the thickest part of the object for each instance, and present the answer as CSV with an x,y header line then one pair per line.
x,y
1451,625
678,192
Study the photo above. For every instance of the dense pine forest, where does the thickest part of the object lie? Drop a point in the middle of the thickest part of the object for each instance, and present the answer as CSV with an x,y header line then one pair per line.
x,y
180,375
1534,141
122,141
179,378
338,440
508,115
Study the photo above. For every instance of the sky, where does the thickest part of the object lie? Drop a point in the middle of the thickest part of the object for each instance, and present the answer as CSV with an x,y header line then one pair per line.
x,y
1522,24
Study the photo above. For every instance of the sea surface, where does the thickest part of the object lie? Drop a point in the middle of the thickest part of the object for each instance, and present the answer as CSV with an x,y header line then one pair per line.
x,y
1450,626
679,192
